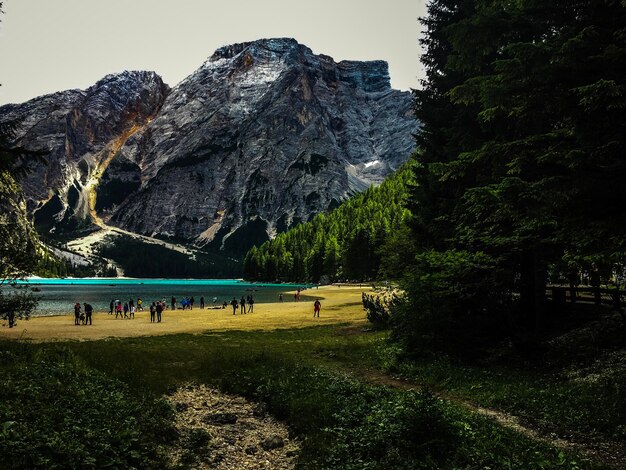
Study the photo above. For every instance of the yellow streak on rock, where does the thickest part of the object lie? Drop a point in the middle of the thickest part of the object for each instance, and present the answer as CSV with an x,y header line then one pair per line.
x,y
112,149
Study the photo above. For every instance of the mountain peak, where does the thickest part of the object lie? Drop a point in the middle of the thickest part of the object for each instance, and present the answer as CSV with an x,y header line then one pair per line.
x,y
275,45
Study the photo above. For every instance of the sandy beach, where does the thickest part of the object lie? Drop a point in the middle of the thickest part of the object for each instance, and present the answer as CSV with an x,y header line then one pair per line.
x,y
339,305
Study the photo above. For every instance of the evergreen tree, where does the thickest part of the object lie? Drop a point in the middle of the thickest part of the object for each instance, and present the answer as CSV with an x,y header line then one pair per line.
x,y
343,244
520,156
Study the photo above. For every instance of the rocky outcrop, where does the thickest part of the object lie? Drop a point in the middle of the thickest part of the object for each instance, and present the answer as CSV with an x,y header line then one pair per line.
x,y
79,132
263,135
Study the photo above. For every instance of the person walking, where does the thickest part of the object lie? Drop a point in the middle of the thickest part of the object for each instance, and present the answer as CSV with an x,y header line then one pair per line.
x,y
88,313
76,313
317,306
118,309
152,311
132,312
159,311
234,304
125,309
242,303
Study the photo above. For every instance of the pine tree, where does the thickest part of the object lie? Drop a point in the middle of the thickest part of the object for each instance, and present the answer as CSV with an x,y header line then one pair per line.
x,y
520,158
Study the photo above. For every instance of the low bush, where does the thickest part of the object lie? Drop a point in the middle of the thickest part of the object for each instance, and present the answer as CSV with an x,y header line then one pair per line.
x,y
57,414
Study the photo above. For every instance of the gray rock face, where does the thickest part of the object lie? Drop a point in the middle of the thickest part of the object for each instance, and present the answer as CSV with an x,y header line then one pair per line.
x,y
80,131
263,135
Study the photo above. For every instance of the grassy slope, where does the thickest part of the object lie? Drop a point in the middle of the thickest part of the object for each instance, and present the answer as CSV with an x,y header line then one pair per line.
x,y
340,419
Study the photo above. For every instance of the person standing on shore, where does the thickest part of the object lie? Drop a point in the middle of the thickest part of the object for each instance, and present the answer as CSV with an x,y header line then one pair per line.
x,y
202,301
235,305
159,311
139,305
191,302
111,307
152,311
125,309
173,303
250,304
317,306
76,313
88,313
132,312
242,303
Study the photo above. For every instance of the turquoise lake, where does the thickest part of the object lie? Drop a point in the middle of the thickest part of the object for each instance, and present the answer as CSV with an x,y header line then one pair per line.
x,y
58,296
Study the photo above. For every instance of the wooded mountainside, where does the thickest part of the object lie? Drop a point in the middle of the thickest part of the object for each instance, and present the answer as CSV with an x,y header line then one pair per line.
x,y
519,172
344,244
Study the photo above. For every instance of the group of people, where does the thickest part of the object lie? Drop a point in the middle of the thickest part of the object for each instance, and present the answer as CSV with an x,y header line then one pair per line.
x,y
83,317
127,309
248,300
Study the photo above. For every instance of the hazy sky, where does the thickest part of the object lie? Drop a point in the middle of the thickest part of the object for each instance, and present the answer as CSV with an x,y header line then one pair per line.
x,y
48,46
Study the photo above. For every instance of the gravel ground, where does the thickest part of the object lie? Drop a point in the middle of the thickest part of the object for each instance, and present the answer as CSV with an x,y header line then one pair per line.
x,y
220,431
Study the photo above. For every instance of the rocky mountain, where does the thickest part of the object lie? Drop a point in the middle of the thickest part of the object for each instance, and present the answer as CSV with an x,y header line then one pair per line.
x,y
263,135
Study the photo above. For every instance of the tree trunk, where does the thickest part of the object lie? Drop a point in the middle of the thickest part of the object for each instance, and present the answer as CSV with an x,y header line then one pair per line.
x,y
532,290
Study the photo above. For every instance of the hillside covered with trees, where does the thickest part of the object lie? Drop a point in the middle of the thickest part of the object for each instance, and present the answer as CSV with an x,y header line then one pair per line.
x,y
344,244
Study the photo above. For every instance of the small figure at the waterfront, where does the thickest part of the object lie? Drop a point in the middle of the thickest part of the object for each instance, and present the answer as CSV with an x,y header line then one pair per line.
x,y
317,306
111,307
250,304
76,313
202,301
152,311
242,302
159,311
88,313
235,305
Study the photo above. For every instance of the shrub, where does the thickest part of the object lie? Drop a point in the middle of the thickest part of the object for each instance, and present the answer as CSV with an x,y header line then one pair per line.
x,y
57,414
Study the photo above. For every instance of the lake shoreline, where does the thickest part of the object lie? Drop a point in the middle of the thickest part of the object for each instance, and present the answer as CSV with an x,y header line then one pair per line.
x,y
339,305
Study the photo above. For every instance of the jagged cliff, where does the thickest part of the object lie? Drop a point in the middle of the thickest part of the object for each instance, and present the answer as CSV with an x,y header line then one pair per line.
x,y
261,136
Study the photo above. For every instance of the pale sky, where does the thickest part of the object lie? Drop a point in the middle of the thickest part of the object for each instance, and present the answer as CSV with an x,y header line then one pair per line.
x,y
54,45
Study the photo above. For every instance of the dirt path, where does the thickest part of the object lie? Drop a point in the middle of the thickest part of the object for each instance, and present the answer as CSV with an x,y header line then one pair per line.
x,y
611,454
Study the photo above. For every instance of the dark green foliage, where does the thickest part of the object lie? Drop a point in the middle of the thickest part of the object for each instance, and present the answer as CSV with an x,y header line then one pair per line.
x,y
252,233
49,265
18,239
344,244
356,426
140,259
57,414
342,422
520,161
378,308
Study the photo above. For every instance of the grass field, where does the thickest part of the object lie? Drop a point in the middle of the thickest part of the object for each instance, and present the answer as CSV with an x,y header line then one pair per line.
x,y
316,378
